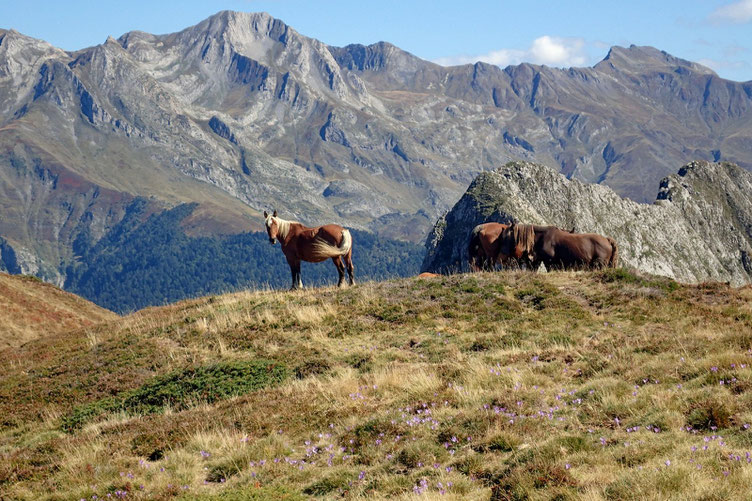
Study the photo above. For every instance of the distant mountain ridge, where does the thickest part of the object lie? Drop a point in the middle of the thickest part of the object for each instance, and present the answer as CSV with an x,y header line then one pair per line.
x,y
241,112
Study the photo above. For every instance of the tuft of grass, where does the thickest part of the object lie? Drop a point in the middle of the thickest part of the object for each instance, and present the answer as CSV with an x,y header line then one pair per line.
x,y
711,413
337,482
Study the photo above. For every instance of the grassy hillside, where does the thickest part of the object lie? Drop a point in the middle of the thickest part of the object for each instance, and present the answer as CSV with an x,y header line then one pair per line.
x,y
497,386
30,308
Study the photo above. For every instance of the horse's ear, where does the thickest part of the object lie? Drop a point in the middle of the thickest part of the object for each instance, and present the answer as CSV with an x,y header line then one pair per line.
x,y
275,213
266,214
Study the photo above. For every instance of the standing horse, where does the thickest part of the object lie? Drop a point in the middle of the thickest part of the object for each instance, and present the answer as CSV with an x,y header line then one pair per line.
x,y
558,249
300,243
483,248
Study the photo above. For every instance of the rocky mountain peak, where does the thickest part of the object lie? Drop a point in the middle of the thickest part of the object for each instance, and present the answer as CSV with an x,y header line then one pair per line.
x,y
247,32
238,26
21,58
14,44
641,58
375,57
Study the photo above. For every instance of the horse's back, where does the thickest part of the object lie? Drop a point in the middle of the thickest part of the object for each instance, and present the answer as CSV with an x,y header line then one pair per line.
x,y
584,249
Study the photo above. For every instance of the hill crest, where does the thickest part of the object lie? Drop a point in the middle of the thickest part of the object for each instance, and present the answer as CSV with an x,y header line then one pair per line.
x,y
31,309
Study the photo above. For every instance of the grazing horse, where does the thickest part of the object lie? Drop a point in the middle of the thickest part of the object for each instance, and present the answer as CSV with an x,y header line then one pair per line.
x,y
300,243
558,249
483,248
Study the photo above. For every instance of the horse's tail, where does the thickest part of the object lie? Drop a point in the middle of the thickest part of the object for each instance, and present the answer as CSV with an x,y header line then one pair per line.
x,y
346,243
473,249
613,261
325,249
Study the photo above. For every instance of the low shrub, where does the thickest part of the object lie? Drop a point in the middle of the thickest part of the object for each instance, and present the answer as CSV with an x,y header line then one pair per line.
x,y
180,389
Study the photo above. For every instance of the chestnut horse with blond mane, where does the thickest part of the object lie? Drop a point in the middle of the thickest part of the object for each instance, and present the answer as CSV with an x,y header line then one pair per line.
x,y
300,243
557,248
483,248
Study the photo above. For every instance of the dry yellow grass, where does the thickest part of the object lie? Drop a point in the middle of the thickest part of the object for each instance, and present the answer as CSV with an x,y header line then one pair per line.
x,y
30,309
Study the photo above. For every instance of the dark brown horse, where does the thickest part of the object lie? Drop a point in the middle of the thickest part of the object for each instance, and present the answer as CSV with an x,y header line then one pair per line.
x,y
557,248
300,243
483,248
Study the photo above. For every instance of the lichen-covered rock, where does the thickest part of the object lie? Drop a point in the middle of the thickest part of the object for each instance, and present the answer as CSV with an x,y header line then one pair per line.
x,y
699,228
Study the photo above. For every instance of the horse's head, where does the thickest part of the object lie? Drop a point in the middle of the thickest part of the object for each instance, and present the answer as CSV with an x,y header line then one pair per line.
x,y
272,226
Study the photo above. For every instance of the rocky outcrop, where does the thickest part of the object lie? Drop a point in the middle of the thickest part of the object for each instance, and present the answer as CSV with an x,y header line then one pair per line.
x,y
698,229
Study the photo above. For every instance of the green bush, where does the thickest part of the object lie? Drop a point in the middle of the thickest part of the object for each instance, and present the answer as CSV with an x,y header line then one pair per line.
x,y
182,388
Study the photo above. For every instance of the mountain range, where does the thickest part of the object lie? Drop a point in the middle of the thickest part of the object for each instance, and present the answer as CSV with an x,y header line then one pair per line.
x,y
241,113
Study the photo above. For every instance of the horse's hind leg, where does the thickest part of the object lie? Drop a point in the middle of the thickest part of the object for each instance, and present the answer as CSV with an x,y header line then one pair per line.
x,y
350,267
337,260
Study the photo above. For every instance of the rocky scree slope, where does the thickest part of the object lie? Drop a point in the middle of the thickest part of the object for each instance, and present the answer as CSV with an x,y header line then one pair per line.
x,y
240,113
698,229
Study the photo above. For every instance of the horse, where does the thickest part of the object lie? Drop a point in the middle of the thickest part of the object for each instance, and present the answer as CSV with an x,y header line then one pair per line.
x,y
483,247
557,248
300,243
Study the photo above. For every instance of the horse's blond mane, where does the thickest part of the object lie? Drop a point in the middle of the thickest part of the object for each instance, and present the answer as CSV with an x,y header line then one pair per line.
x,y
524,237
283,225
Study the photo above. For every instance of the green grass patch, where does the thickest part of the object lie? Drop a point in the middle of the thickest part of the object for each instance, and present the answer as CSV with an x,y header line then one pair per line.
x,y
625,276
249,494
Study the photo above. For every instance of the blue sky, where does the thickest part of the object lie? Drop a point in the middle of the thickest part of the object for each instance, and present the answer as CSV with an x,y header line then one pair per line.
x,y
717,33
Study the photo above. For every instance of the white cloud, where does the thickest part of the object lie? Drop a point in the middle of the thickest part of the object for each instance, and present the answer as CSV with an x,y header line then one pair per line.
x,y
548,50
724,65
739,12
734,50
503,57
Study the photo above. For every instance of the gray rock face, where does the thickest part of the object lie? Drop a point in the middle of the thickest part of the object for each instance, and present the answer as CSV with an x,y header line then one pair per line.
x,y
698,229
241,113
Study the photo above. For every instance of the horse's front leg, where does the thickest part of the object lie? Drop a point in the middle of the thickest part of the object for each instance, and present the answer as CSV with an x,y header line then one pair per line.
x,y
297,282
